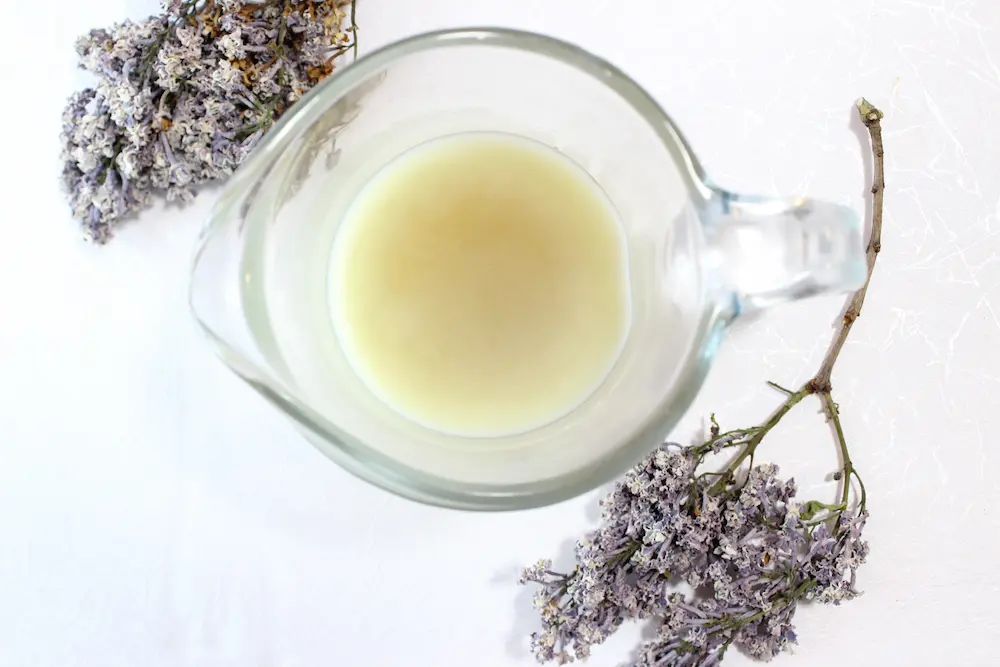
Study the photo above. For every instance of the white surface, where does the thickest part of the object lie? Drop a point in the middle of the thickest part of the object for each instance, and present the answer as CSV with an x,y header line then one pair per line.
x,y
154,512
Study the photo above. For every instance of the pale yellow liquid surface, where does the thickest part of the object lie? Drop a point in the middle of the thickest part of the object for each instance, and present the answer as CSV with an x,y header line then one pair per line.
x,y
479,285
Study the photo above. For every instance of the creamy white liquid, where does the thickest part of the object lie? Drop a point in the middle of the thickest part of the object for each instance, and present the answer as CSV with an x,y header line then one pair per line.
x,y
479,285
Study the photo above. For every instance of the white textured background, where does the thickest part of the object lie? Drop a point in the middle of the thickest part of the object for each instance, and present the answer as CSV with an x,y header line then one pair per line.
x,y
155,513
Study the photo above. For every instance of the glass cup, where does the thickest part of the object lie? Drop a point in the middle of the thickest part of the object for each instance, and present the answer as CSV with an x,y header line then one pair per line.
x,y
699,256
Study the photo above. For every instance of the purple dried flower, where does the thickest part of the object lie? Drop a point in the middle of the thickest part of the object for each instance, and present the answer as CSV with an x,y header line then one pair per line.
x,y
746,550
183,97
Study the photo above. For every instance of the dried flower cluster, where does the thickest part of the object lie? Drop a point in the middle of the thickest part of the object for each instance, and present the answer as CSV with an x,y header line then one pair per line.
x,y
183,97
749,553
718,559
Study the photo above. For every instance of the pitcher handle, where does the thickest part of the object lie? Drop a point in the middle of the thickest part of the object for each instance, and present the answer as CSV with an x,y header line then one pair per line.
x,y
765,251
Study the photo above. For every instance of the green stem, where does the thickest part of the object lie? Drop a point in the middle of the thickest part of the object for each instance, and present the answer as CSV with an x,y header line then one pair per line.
x,y
775,385
707,447
864,493
793,399
831,512
354,26
781,602
626,553
833,412
279,42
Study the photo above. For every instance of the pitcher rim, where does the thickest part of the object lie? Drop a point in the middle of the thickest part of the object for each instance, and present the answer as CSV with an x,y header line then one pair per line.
x,y
400,479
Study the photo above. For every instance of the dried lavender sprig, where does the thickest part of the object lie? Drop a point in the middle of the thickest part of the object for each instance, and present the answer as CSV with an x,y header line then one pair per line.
x,y
183,97
748,542
754,547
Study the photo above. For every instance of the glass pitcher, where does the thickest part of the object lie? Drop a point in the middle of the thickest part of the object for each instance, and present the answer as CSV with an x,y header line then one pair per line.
x,y
699,256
